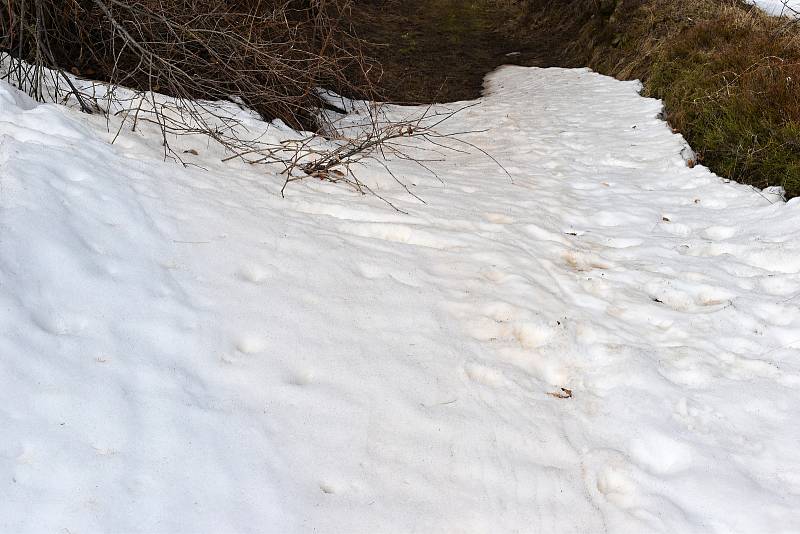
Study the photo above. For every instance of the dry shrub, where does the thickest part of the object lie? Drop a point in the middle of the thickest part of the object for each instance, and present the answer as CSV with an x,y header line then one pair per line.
x,y
270,54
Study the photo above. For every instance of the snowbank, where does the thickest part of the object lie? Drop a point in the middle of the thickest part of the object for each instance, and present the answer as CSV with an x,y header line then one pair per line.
x,y
186,352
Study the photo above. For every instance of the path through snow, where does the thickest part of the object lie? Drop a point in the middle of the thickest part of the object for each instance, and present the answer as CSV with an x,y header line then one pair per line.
x,y
185,352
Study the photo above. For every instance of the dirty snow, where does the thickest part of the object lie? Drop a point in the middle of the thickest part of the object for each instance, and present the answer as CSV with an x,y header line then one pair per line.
x,y
183,351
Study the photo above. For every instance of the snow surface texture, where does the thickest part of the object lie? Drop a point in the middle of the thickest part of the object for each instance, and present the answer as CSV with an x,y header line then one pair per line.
x,y
789,8
183,351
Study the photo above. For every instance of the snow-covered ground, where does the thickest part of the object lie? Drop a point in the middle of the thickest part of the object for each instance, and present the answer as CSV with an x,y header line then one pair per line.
x,y
183,351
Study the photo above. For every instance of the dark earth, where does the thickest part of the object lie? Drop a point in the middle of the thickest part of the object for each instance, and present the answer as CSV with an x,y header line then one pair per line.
x,y
439,50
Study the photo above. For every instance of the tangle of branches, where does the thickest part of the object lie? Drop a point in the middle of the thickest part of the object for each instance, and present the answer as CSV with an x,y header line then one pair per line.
x,y
177,58
270,54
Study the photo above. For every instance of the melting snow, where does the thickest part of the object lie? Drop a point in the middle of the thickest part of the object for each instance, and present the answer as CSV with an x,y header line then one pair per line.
x,y
609,343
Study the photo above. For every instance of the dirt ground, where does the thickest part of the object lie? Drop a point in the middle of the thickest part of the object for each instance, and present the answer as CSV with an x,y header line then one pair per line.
x,y
438,50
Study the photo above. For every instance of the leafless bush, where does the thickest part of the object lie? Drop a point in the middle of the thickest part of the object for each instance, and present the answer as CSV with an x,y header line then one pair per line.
x,y
180,58
270,54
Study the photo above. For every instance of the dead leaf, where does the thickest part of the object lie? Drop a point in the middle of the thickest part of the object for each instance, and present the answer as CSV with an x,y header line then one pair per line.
x,y
563,394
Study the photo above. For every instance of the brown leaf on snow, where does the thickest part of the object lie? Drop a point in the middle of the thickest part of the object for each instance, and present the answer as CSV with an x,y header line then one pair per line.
x,y
563,394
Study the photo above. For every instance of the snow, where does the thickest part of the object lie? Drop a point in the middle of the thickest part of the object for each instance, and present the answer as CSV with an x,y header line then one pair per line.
x,y
790,8
184,351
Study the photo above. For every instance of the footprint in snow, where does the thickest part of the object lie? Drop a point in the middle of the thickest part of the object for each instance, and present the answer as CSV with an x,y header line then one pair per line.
x,y
483,374
254,273
301,377
327,488
498,218
660,454
583,261
494,275
686,296
719,233
250,344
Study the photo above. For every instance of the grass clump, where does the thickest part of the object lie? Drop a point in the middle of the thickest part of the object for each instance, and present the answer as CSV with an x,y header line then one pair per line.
x,y
729,74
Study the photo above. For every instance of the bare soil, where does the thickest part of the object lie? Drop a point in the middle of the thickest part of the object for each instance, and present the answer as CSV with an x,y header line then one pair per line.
x,y
439,50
